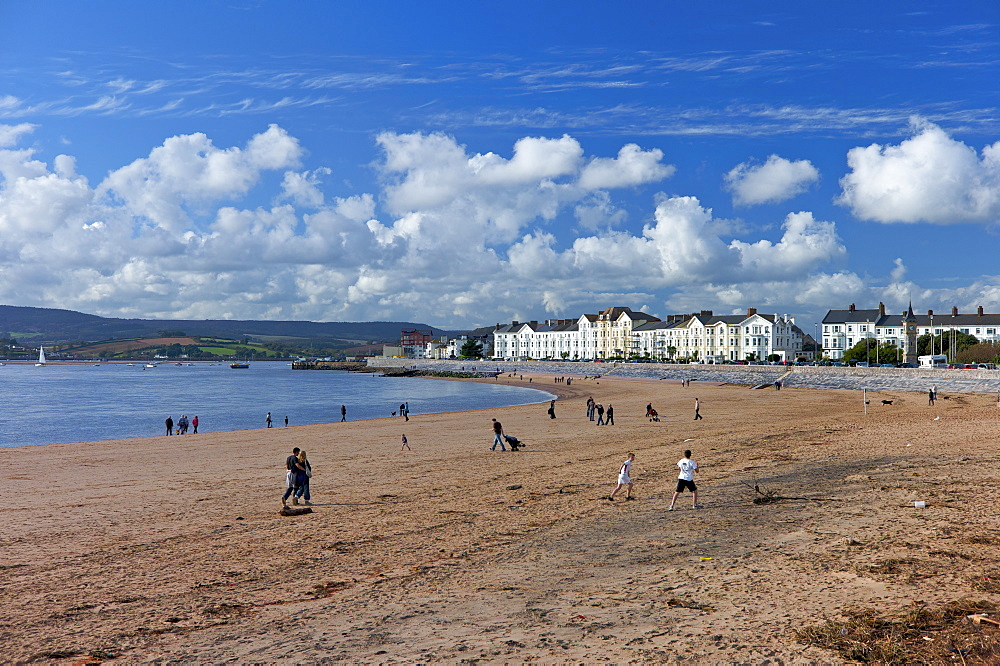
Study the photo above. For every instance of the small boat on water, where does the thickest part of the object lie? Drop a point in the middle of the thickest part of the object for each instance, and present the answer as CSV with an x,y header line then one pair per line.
x,y
239,366
41,358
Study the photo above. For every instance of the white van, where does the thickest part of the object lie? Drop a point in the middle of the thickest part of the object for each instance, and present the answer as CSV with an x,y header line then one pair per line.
x,y
933,361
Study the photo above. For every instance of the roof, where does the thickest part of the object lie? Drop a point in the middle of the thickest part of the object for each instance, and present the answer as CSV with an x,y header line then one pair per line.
x,y
873,316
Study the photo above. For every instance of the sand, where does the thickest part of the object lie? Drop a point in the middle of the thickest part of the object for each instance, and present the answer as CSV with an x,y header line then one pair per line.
x,y
173,549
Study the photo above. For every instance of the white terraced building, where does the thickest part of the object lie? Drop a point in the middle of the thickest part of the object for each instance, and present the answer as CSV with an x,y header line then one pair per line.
x,y
842,329
712,338
621,333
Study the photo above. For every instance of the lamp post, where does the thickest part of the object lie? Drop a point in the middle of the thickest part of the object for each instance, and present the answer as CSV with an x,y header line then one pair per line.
x,y
932,335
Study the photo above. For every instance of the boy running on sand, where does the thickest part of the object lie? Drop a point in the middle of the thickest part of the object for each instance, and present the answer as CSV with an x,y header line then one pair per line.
x,y
686,480
624,479
405,445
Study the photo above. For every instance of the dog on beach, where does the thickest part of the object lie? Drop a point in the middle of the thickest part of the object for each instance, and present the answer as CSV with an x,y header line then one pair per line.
x,y
887,402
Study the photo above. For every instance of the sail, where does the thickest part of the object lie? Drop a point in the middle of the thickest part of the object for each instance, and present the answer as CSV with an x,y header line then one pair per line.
x,y
41,356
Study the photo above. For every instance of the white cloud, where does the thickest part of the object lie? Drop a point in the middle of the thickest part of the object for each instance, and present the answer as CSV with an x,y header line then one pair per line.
x,y
452,238
11,134
633,166
774,181
929,177
189,169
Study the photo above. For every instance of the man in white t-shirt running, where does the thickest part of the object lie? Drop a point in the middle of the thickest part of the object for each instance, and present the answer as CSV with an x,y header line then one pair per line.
x,y
686,480
624,479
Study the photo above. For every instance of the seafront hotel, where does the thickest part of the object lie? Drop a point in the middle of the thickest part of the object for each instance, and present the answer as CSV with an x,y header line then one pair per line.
x,y
618,332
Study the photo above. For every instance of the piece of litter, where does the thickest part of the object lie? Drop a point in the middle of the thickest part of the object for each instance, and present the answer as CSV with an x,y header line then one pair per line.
x,y
909,444
937,418
705,558
689,439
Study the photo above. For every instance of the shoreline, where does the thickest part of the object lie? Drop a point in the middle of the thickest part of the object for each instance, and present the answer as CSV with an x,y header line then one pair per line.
x,y
173,549
334,416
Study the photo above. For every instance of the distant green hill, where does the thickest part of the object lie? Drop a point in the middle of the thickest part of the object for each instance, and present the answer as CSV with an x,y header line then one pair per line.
x,y
44,325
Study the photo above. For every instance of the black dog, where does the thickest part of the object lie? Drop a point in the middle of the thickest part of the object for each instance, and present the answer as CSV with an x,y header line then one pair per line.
x,y
887,402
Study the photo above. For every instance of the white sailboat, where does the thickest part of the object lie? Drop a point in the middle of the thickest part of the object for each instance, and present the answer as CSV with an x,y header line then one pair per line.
x,y
41,357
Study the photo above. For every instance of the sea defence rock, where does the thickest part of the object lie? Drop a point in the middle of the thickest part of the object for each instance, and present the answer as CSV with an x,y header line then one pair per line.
x,y
821,377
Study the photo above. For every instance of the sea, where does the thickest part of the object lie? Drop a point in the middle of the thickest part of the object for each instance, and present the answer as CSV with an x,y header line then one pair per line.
x,y
81,403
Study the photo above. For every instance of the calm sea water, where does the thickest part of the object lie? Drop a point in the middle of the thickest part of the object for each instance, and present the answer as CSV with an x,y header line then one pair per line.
x,y
78,403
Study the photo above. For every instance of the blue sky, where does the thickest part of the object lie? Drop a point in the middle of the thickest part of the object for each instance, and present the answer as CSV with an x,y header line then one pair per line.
x,y
461,164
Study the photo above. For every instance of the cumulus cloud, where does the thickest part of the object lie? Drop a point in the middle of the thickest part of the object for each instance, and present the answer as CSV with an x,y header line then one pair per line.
x,y
929,177
451,238
774,181
633,166
189,169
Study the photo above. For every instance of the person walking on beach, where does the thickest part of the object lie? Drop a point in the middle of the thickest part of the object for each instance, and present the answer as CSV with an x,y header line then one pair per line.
x,y
343,413
590,408
291,466
498,436
406,410
182,424
931,396
611,415
552,409
686,480
600,413
697,409
286,421
624,479
267,419
194,424
170,425
406,445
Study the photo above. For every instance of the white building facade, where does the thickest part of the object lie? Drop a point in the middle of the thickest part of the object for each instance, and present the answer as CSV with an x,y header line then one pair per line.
x,y
842,329
621,333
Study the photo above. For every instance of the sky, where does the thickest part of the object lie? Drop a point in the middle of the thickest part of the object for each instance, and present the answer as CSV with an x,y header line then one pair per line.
x,y
462,164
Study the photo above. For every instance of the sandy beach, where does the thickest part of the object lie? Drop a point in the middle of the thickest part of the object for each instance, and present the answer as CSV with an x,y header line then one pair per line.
x,y
173,550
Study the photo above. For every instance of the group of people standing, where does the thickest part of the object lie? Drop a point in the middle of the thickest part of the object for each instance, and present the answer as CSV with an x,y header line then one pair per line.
x,y
597,409
182,425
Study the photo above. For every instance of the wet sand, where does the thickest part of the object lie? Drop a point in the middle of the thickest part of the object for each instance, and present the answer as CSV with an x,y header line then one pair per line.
x,y
172,549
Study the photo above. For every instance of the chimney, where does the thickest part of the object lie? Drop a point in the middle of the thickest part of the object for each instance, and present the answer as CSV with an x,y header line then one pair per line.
x,y
851,309
514,323
753,311
706,313
930,313
954,311
881,308
979,311
534,324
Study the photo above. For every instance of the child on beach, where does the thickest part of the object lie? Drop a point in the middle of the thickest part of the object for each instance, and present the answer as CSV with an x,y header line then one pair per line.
x,y
686,480
624,479
405,445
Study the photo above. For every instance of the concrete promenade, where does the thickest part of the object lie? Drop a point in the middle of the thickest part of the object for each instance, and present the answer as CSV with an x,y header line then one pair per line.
x,y
820,377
